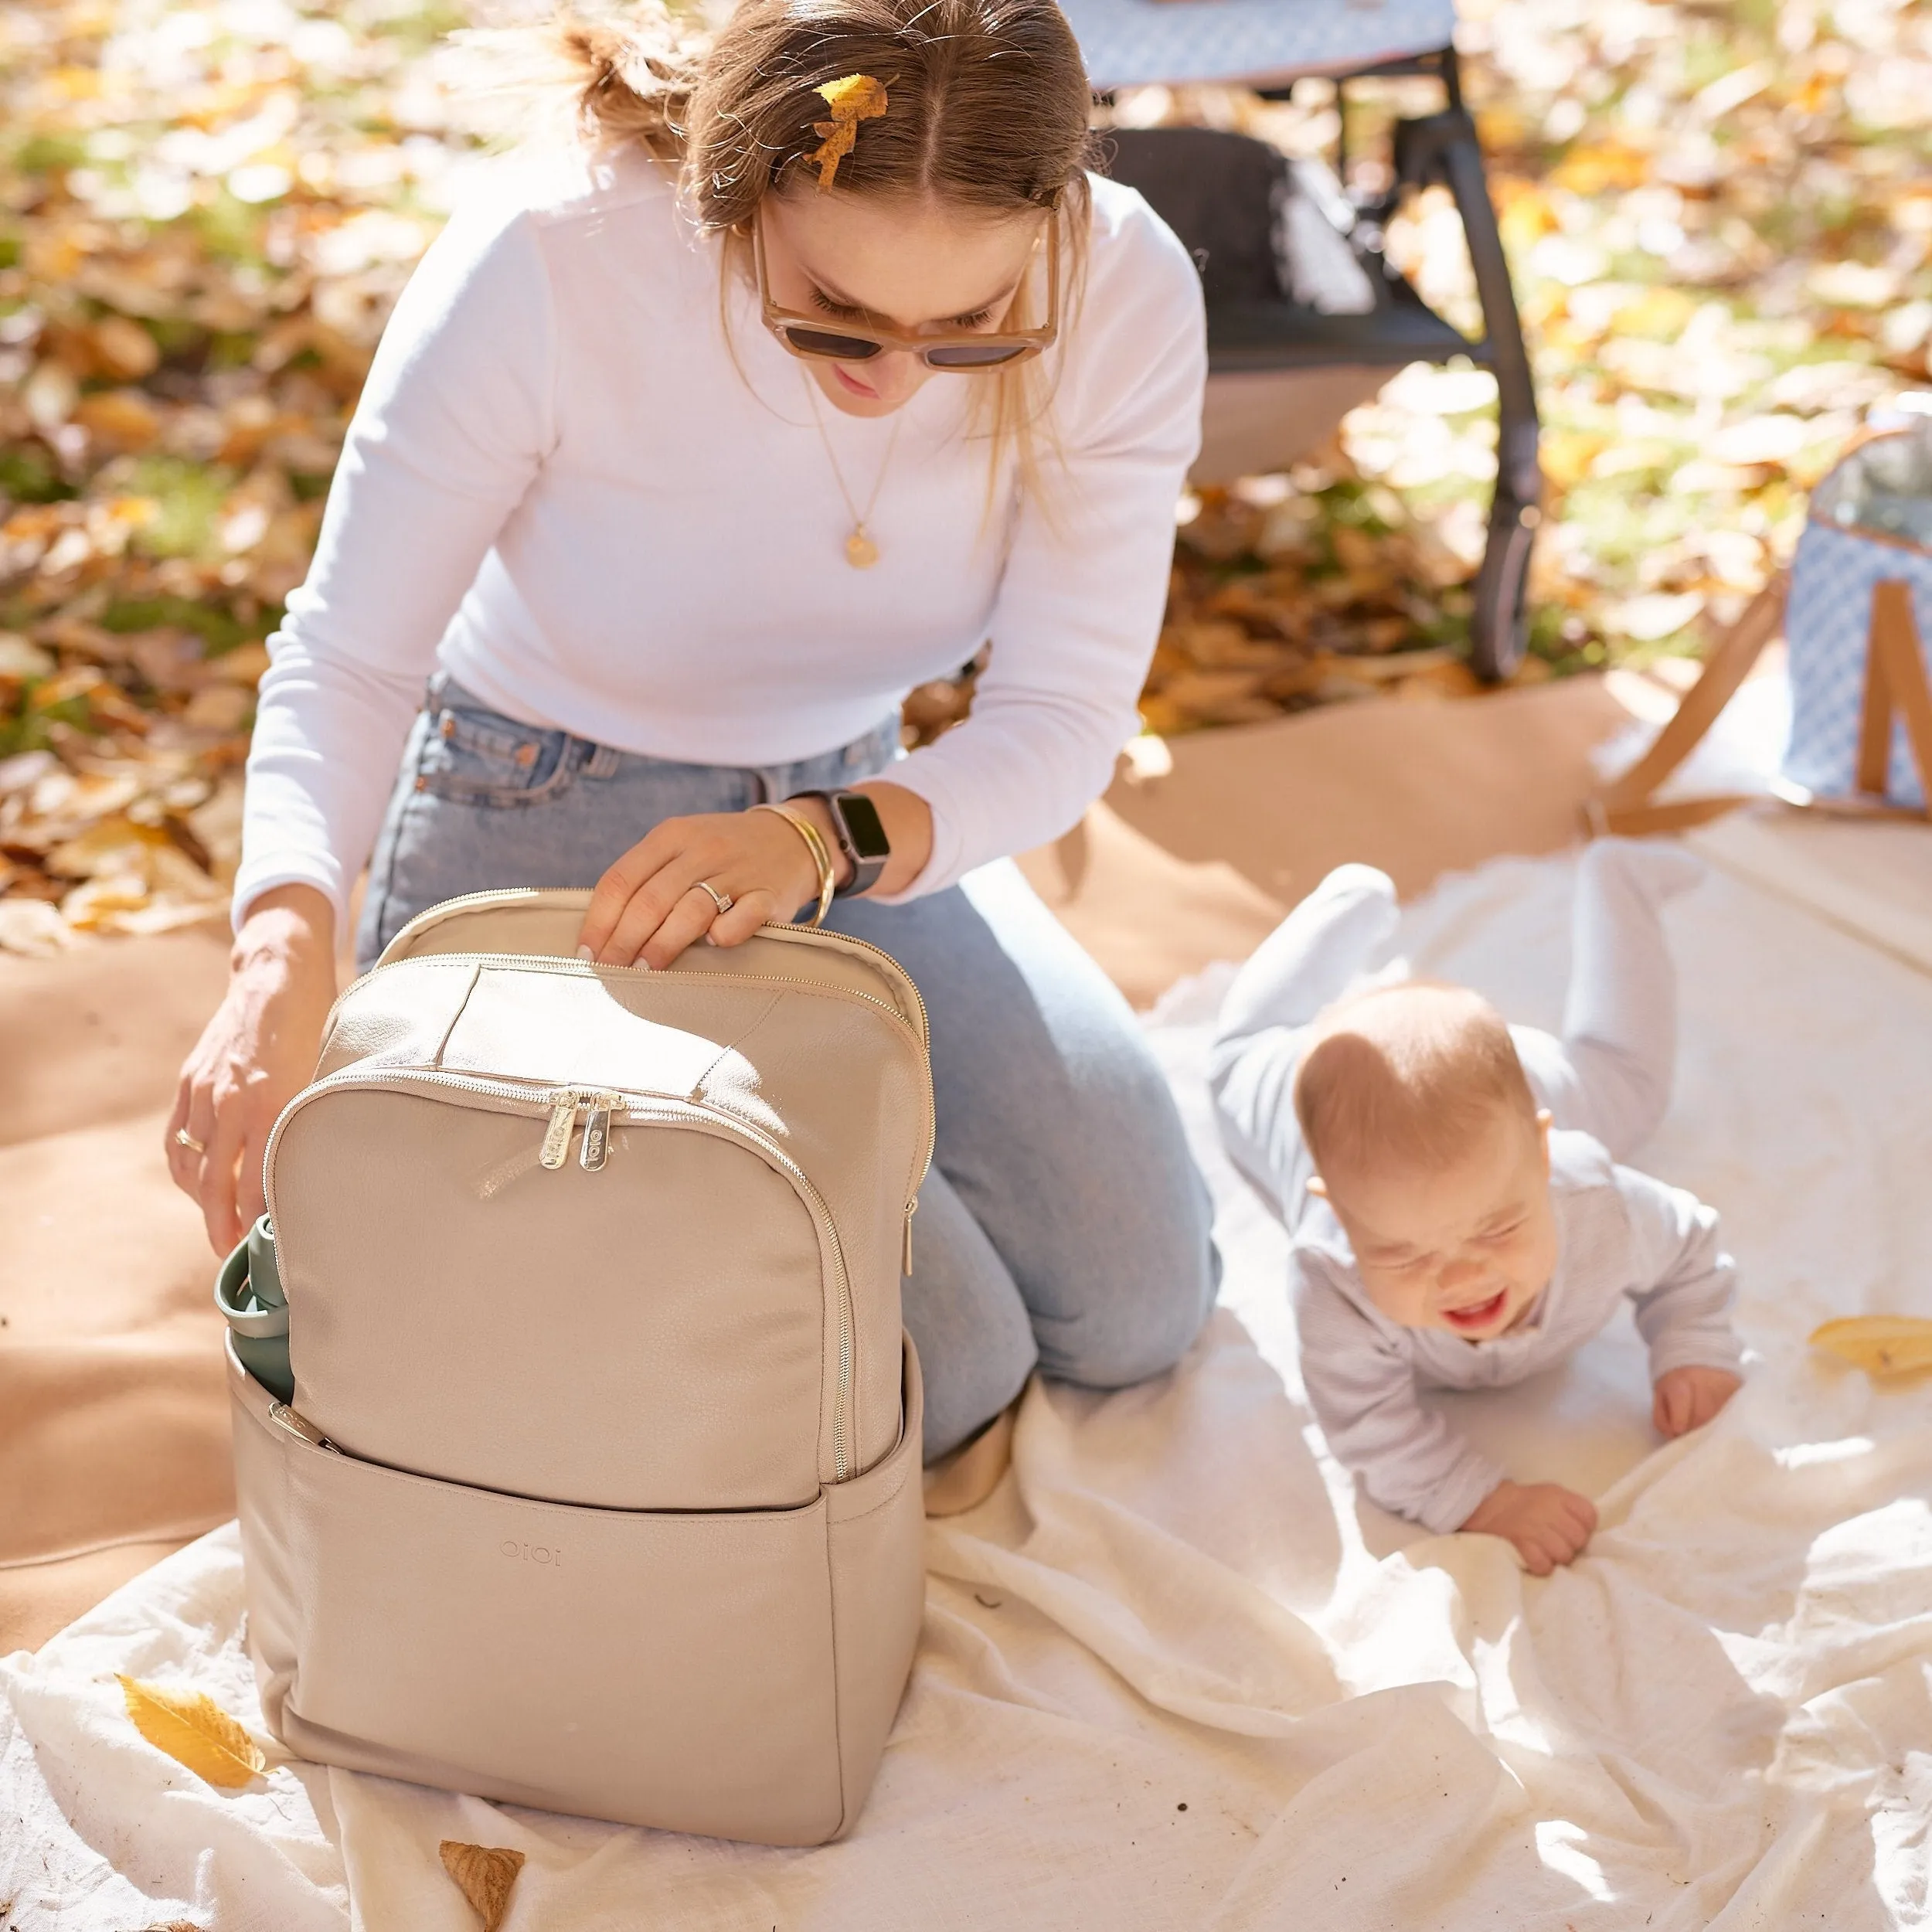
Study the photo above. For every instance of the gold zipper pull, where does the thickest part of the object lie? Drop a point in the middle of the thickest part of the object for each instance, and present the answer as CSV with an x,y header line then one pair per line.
x,y
556,1136
906,1257
597,1133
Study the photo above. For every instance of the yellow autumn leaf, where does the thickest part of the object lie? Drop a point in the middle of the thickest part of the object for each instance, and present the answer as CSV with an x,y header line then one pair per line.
x,y
854,97
1881,1344
194,1730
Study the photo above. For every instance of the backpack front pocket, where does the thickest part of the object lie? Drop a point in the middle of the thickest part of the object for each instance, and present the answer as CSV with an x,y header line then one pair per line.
x,y
674,1668
493,1283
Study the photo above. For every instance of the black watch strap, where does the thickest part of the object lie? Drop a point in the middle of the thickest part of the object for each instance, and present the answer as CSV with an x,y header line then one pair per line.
x,y
861,837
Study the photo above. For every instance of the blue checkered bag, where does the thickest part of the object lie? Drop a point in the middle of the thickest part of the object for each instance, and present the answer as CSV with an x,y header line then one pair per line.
x,y
1870,520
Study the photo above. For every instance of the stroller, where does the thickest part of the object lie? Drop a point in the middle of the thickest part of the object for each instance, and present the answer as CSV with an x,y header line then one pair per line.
x,y
1306,316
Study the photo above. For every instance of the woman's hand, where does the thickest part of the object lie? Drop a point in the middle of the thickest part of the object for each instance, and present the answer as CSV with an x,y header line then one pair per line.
x,y
255,1055
650,904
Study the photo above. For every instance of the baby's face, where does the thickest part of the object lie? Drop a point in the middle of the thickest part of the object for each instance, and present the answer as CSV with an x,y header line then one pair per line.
x,y
1466,1248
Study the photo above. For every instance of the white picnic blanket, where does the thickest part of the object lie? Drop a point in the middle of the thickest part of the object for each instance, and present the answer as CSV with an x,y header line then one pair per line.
x,y
1173,1676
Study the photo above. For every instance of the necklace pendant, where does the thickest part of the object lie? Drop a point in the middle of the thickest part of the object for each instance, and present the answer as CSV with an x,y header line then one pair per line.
x,y
861,552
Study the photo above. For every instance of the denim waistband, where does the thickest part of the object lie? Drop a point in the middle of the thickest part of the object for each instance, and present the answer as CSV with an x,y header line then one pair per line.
x,y
864,756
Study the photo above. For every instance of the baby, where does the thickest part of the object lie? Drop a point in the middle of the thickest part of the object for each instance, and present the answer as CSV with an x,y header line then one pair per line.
x,y
1451,1188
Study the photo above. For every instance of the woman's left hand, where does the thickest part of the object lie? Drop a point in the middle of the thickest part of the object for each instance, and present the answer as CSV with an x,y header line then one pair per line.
x,y
650,904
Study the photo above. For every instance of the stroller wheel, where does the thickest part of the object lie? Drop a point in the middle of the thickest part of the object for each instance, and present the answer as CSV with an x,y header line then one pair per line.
x,y
1499,627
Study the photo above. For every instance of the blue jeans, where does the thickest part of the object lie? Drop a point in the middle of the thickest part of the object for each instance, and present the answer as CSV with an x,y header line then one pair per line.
x,y
1063,1225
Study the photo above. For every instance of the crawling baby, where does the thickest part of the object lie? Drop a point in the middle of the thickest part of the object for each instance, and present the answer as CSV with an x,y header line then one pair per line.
x,y
1451,1186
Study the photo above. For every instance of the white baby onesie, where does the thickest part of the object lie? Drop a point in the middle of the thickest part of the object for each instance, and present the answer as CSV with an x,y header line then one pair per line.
x,y
1619,1233
1606,1084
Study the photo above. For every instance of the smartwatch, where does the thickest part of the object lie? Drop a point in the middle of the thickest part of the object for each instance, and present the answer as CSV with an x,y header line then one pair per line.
x,y
862,838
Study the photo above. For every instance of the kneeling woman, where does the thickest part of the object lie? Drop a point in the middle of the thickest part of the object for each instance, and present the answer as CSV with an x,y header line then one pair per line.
x,y
818,360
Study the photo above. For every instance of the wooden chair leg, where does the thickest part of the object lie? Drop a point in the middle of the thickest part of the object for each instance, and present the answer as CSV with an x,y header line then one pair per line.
x,y
1728,665
1602,820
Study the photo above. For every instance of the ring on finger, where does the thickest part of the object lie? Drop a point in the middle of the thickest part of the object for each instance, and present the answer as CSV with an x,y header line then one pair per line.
x,y
722,900
183,1138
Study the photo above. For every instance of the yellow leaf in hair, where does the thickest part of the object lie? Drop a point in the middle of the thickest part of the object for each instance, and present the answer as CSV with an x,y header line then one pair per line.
x,y
194,1730
856,97
1881,1344
485,1874
853,98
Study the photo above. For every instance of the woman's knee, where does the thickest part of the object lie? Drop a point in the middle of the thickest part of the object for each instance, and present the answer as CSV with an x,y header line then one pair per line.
x,y
975,1342
1136,1305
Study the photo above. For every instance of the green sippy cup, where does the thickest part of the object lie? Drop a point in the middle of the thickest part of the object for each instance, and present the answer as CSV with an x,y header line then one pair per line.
x,y
248,1290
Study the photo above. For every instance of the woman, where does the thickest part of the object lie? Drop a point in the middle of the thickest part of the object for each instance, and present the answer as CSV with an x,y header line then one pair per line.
x,y
820,362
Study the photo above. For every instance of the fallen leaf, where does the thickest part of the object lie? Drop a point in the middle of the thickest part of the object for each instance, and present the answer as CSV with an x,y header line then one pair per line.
x,y
1882,1345
33,928
22,658
218,707
121,419
123,349
484,1873
194,1730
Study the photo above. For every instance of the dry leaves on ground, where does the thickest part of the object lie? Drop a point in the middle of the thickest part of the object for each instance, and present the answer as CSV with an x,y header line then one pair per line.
x,y
205,214
1720,218
1719,222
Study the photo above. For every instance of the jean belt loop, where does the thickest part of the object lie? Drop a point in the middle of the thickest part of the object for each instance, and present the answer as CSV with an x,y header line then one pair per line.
x,y
603,761
434,688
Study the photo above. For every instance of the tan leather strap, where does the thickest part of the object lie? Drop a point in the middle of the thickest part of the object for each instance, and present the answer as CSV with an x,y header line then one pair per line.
x,y
1894,676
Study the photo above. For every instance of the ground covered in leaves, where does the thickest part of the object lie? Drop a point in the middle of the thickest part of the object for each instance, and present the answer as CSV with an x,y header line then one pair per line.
x,y
1720,218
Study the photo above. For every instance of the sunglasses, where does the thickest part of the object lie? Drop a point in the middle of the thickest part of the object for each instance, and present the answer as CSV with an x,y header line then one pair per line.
x,y
963,351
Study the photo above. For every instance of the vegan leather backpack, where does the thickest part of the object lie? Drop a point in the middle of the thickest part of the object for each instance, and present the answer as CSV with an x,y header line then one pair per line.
x,y
597,1486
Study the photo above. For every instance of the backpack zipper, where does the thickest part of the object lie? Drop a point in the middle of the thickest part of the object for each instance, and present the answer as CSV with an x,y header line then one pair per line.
x,y
597,1128
776,929
561,1104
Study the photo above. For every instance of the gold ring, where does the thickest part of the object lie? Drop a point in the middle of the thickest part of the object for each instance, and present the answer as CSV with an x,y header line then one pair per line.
x,y
183,1138
723,900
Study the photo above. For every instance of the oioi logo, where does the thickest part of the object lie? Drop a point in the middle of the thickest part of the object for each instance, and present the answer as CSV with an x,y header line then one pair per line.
x,y
546,1553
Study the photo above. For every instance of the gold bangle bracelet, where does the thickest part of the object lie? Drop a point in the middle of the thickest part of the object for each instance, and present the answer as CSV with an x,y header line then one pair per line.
x,y
820,855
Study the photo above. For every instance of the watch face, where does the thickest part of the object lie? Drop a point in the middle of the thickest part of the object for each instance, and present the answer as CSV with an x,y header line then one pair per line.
x,y
861,815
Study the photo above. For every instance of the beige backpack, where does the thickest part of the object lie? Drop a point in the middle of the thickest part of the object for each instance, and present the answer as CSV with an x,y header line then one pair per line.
x,y
599,1491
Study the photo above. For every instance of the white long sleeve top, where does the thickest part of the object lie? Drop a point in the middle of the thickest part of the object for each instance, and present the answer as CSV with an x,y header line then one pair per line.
x,y
564,483
1622,1234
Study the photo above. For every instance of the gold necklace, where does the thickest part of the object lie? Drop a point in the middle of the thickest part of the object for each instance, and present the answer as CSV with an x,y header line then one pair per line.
x,y
861,552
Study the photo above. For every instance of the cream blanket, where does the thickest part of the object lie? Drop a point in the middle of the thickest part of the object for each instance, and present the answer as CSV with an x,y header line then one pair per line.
x,y
1174,1675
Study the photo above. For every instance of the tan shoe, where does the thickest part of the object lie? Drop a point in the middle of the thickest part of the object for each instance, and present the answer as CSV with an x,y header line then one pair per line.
x,y
964,1478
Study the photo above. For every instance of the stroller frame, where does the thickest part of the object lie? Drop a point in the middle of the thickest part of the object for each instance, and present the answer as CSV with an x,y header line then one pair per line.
x,y
1251,341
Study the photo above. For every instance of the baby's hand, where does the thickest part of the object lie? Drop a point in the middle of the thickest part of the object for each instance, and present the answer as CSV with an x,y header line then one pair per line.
x,y
1686,1398
1548,1523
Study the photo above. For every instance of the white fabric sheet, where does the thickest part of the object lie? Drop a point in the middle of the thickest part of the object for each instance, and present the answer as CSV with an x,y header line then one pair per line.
x,y
1173,1676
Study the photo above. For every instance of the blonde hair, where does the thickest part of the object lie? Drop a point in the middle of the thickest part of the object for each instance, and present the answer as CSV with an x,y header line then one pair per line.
x,y
990,113
1406,1076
